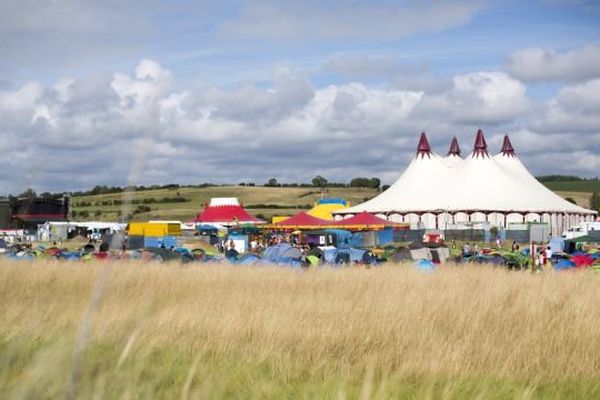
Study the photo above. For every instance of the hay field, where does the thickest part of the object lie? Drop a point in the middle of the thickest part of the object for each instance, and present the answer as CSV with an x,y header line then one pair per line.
x,y
581,198
137,331
292,198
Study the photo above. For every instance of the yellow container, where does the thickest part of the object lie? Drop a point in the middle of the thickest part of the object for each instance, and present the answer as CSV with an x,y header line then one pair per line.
x,y
154,229
173,229
136,228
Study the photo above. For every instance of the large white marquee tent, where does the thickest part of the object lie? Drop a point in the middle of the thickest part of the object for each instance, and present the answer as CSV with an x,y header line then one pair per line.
x,y
441,192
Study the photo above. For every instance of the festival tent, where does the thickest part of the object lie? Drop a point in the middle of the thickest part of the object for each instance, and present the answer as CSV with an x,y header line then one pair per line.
x,y
364,221
435,193
481,185
226,211
546,201
324,207
417,189
302,220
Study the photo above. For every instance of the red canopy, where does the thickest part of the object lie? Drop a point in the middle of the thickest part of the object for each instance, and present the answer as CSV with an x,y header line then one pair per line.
x,y
302,219
226,214
364,218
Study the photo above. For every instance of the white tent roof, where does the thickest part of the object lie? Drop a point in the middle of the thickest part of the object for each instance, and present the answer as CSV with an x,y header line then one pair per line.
x,y
477,183
453,157
224,201
415,187
543,197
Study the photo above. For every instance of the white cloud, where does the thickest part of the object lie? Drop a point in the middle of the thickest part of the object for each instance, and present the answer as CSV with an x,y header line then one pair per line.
x,y
478,98
537,64
388,69
573,109
106,129
284,20
21,99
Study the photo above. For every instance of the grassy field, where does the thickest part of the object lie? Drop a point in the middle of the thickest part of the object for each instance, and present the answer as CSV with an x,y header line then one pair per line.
x,y
288,201
574,186
581,198
138,331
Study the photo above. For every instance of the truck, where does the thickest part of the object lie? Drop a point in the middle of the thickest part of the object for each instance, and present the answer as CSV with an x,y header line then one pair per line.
x,y
581,229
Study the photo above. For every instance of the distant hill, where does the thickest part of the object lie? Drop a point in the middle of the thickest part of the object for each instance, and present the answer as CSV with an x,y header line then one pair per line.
x,y
592,185
184,203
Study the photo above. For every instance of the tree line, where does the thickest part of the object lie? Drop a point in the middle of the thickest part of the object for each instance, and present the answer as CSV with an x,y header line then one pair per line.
x,y
321,182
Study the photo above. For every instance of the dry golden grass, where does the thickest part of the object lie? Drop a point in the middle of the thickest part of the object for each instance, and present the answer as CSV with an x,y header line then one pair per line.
x,y
581,198
165,331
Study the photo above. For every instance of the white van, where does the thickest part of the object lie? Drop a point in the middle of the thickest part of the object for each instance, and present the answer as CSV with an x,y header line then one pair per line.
x,y
581,229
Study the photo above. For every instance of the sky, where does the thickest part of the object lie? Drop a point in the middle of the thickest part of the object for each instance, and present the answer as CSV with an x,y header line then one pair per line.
x,y
153,92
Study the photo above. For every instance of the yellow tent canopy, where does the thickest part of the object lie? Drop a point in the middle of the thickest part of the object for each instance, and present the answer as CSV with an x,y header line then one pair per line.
x,y
324,207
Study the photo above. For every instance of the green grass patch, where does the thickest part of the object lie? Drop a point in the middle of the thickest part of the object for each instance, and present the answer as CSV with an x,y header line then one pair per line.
x,y
574,186
34,369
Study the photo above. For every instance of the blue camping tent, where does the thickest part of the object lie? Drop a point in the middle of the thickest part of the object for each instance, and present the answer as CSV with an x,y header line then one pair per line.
x,y
283,254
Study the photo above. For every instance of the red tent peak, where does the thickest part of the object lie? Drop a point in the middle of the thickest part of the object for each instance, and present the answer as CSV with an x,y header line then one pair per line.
x,y
423,149
454,148
507,148
480,148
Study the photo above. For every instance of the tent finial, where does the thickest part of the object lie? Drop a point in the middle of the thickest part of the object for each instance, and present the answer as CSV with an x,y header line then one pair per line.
x,y
423,149
507,148
454,149
480,148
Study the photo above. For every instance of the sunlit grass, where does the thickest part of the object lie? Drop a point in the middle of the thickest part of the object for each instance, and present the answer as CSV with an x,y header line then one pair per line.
x,y
165,331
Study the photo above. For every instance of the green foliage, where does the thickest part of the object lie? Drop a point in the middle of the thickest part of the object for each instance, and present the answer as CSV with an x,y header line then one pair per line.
x,y
558,178
272,182
319,181
167,373
29,193
142,209
365,183
595,201
570,200
590,185
360,182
